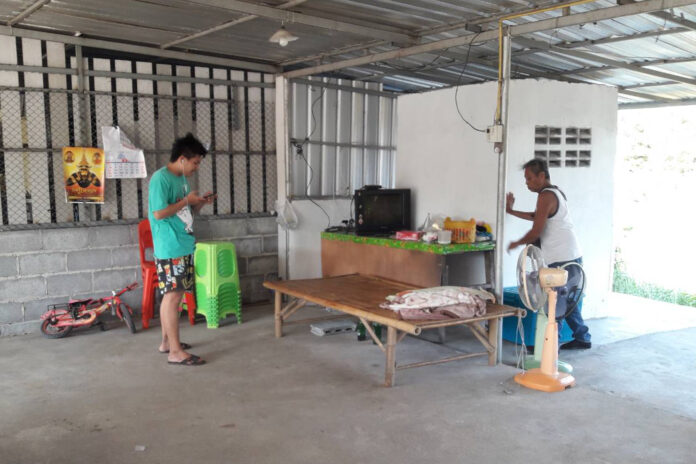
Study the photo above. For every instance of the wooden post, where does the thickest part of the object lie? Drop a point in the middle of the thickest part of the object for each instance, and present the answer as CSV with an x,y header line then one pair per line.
x,y
493,340
391,360
489,269
278,317
372,333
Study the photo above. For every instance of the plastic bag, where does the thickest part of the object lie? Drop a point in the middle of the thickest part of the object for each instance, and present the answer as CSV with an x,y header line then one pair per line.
x,y
438,222
426,224
287,218
433,223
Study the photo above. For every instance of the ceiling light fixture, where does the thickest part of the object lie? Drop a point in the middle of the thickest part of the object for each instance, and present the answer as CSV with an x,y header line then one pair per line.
x,y
282,37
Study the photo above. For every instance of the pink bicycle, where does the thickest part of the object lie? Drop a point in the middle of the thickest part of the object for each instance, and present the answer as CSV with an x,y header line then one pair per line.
x,y
60,319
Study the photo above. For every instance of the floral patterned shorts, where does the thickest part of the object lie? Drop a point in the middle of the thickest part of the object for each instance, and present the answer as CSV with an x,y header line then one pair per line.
x,y
175,274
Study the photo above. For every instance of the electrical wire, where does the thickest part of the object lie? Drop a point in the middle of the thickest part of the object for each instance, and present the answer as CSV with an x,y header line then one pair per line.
x,y
459,79
521,349
314,121
309,182
420,67
300,152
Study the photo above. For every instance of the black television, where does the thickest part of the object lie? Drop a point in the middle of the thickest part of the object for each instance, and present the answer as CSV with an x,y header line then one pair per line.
x,y
381,211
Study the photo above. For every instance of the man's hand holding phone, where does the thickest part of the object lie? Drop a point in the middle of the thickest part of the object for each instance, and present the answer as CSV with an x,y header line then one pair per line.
x,y
209,197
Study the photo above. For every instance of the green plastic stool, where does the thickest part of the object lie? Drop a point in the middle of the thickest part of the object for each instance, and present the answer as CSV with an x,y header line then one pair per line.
x,y
217,282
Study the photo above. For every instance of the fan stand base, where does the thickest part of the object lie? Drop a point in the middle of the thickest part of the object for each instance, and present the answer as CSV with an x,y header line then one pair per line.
x,y
537,380
531,362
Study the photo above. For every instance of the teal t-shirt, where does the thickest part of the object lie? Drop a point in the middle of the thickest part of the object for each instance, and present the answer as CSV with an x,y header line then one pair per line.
x,y
169,235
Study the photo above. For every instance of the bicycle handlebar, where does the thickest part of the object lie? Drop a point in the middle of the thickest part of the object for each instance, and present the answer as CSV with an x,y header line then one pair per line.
x,y
127,289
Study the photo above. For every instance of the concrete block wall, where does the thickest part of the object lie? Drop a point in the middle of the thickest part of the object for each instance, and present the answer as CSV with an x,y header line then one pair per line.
x,y
47,266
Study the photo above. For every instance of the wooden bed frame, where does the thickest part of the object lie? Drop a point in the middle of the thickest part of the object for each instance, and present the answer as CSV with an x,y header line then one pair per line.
x,y
360,296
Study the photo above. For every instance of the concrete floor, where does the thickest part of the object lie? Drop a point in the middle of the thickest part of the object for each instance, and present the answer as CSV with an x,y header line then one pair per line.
x,y
97,396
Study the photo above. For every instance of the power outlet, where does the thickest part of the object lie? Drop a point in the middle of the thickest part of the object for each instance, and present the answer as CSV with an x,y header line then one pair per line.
x,y
494,134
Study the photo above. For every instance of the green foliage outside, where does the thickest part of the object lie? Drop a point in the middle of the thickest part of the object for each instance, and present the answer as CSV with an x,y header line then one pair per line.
x,y
624,283
654,186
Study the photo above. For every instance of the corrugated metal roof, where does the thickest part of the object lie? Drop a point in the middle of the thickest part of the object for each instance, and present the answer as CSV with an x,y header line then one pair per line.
x,y
363,27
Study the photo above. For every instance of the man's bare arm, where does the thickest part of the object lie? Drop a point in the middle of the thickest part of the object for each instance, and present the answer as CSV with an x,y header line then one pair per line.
x,y
170,210
529,216
546,203
510,202
192,199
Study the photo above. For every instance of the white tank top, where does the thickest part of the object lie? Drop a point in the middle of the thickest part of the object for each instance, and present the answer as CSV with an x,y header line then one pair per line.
x,y
558,241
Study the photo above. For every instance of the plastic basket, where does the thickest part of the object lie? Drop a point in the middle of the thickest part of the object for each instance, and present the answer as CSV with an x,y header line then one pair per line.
x,y
462,231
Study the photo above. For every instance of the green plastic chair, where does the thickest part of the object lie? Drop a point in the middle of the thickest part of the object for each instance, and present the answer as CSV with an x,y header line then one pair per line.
x,y
217,282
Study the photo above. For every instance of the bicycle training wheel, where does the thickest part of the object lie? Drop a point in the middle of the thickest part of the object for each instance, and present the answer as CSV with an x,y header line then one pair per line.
x,y
127,317
51,330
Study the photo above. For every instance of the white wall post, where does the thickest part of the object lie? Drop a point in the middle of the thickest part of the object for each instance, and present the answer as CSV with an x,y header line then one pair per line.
x,y
502,186
282,148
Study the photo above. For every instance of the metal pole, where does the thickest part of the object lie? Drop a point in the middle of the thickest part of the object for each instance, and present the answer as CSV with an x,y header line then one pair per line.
x,y
137,49
84,134
84,119
502,186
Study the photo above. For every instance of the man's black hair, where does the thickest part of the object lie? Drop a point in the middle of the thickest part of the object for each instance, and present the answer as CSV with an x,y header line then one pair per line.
x,y
536,166
188,146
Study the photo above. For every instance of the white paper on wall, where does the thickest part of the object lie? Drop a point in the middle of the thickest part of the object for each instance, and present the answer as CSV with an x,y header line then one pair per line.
x,y
123,158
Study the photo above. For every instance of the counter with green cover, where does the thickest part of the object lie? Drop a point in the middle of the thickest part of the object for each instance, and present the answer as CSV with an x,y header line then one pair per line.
x,y
411,262
417,245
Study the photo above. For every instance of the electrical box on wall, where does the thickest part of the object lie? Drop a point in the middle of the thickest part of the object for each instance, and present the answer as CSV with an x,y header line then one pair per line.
x,y
494,133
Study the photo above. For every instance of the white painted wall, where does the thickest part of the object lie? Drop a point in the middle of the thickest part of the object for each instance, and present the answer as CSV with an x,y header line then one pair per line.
x,y
305,241
449,167
452,169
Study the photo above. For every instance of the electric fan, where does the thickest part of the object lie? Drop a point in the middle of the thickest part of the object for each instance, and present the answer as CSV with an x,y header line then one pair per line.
x,y
537,283
528,261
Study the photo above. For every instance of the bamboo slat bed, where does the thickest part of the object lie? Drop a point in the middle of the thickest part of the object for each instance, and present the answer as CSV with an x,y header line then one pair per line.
x,y
360,296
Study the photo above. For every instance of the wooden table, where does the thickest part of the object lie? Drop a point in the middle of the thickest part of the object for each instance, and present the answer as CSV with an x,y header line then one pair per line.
x,y
360,296
412,262
415,263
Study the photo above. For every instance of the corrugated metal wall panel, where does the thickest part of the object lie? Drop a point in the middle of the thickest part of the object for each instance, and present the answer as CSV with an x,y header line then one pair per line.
x,y
342,138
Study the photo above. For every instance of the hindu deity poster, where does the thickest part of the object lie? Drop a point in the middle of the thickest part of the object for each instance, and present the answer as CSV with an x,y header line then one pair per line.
x,y
83,174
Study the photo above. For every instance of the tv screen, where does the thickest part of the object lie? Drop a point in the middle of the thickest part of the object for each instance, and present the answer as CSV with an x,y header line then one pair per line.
x,y
382,211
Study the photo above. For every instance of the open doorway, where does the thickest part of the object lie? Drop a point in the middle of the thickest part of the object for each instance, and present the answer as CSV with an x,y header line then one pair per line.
x,y
655,186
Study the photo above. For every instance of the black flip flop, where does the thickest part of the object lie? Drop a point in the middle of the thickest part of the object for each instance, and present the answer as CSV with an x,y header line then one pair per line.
x,y
184,346
192,360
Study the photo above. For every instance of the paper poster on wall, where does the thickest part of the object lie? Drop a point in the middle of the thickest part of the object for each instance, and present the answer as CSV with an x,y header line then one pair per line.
x,y
123,159
83,174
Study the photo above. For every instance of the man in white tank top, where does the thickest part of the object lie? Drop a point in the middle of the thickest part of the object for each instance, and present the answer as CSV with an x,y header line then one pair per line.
x,y
553,228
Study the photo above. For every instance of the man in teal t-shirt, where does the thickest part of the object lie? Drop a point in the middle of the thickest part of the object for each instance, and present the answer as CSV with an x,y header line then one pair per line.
x,y
171,204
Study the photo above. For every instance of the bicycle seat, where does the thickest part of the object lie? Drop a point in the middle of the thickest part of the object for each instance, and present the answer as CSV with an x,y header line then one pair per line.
x,y
85,302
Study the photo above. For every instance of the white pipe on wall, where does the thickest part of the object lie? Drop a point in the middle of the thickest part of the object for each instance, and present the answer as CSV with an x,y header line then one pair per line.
x,y
502,186
282,148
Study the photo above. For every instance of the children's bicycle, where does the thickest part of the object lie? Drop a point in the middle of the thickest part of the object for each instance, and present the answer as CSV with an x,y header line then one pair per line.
x,y
59,319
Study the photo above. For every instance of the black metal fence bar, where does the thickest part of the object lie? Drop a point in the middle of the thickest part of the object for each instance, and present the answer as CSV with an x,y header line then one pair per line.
x,y
153,104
